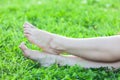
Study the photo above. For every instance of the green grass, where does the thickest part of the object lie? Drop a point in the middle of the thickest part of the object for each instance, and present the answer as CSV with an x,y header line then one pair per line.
x,y
71,18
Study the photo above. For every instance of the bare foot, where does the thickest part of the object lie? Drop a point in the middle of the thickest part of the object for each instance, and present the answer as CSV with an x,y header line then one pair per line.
x,y
43,59
45,40
46,59
49,59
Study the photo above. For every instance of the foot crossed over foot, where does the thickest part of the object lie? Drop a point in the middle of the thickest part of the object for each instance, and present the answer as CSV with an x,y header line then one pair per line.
x,y
47,41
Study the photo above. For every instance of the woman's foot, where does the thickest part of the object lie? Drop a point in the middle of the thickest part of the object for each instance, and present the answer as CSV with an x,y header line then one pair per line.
x,y
47,41
43,59
46,59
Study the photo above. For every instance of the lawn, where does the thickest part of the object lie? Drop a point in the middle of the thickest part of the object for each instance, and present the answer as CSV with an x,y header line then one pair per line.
x,y
71,18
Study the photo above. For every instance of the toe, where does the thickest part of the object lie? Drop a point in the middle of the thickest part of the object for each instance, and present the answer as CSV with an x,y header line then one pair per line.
x,y
27,31
27,35
28,25
23,47
26,52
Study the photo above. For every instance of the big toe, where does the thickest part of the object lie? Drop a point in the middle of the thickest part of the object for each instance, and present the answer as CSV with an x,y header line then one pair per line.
x,y
23,46
28,25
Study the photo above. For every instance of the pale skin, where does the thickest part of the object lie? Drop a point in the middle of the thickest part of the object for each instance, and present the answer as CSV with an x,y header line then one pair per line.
x,y
89,52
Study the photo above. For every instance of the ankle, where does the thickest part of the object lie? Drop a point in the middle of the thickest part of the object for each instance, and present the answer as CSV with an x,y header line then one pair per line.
x,y
58,43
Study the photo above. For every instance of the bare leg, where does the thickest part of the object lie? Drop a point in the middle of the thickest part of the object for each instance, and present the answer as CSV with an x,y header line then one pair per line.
x,y
105,49
46,59
98,49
